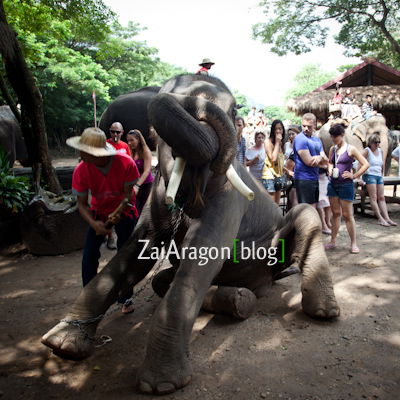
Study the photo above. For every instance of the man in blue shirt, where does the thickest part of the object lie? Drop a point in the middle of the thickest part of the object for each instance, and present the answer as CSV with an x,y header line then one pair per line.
x,y
309,156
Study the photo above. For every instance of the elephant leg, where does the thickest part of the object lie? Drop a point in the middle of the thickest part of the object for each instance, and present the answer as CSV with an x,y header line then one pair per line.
x,y
161,282
236,302
73,337
318,298
166,367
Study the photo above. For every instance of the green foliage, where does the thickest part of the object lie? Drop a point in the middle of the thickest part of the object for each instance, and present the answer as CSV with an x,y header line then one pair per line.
x,y
75,47
241,99
14,191
280,112
307,79
344,68
367,27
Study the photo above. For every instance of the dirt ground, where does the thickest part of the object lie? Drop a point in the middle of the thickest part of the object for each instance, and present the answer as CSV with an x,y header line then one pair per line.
x,y
278,353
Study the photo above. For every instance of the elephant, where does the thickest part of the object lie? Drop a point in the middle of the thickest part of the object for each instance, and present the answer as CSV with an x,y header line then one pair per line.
x,y
357,134
11,138
131,110
223,229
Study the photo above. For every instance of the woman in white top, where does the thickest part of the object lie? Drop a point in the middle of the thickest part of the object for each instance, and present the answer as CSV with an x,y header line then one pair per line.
x,y
373,179
255,155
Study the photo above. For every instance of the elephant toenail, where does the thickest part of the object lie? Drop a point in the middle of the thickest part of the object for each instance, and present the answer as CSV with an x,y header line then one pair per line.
x,y
320,313
335,312
145,387
165,388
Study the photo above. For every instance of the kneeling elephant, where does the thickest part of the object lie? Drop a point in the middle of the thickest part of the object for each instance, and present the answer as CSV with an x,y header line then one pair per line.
x,y
193,115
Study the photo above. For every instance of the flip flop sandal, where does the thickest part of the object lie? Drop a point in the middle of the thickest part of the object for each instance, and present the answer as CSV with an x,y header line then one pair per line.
x,y
128,307
354,250
330,246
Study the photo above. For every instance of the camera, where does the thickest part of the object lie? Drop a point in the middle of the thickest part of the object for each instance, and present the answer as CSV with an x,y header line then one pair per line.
x,y
335,173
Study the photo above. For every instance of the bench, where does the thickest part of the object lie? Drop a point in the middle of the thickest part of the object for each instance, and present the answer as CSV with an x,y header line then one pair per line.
x,y
361,202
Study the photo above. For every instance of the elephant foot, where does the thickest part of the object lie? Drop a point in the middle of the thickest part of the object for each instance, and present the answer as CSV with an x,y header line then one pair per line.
x,y
68,341
320,303
162,380
236,302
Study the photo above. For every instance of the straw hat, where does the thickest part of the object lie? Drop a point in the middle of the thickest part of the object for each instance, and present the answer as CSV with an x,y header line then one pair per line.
x,y
92,141
206,61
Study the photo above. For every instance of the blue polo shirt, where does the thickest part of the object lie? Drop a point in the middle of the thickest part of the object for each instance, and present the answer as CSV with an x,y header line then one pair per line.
x,y
314,146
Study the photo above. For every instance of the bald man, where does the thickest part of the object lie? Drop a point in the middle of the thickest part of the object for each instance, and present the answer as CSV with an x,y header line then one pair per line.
x,y
116,131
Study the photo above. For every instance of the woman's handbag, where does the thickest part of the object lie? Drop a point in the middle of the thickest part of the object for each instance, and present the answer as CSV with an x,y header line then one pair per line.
x,y
282,183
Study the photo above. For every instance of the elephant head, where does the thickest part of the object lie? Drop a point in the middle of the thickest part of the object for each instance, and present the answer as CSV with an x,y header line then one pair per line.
x,y
193,115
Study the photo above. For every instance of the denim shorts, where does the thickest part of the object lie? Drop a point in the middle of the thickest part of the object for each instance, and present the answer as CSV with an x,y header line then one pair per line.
x,y
345,191
269,185
372,179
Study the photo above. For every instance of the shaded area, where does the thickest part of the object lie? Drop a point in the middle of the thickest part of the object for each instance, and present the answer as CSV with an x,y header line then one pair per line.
x,y
277,353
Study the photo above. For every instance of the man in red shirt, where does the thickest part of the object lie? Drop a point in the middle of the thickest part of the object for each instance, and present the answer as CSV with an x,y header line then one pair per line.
x,y
110,177
116,131
205,65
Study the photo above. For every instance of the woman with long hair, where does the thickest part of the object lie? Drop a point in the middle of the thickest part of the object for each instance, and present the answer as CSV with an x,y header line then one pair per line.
x,y
141,154
274,160
374,180
255,155
341,185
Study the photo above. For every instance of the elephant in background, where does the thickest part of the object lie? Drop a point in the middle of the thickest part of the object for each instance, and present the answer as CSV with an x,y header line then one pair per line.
x,y
131,110
11,138
357,134
199,174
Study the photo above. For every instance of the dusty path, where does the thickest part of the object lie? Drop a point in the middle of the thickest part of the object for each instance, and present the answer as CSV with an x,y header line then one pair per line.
x,y
279,353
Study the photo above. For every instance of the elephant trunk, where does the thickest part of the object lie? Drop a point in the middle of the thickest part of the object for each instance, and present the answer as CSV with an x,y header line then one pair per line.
x,y
196,129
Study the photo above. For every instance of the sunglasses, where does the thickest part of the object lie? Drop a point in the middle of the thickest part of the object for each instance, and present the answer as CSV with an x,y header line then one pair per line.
x,y
376,142
112,131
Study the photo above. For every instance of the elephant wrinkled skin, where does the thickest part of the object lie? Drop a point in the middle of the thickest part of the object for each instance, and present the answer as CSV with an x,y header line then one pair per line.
x,y
130,110
193,115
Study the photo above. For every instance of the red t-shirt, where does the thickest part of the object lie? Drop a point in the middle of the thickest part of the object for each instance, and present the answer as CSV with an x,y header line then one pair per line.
x,y
107,189
202,71
121,147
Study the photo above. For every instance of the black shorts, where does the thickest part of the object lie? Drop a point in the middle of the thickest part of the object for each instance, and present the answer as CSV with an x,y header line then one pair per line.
x,y
307,191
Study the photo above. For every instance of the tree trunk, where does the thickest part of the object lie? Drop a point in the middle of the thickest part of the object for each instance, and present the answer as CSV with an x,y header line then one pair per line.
x,y
32,119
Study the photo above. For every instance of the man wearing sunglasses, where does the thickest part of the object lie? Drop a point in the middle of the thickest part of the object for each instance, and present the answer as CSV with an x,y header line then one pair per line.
x,y
116,131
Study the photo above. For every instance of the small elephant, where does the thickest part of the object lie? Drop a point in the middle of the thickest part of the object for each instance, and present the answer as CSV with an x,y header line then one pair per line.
x,y
211,192
11,138
131,110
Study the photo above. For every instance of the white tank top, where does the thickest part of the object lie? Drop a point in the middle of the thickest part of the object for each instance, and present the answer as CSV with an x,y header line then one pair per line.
x,y
375,162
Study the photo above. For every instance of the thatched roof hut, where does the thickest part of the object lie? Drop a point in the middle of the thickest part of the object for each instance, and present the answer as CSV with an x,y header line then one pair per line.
x,y
369,77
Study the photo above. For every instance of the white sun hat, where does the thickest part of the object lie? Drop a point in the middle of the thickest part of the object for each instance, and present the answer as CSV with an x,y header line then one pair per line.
x,y
92,141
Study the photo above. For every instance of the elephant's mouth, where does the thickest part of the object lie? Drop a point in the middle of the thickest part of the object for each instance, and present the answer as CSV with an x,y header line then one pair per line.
x,y
199,133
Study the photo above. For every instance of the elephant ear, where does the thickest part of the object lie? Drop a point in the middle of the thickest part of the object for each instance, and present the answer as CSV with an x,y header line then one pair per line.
x,y
361,132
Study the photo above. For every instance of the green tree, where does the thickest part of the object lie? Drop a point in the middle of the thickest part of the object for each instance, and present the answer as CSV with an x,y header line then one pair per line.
x,y
367,27
307,79
279,112
241,100
76,47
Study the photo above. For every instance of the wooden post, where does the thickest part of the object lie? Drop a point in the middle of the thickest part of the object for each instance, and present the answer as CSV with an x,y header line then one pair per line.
x,y
94,108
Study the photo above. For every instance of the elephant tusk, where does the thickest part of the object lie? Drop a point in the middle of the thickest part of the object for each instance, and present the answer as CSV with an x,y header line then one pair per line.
x,y
238,184
175,180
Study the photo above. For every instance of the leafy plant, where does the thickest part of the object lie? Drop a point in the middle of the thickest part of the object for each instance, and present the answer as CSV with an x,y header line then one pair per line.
x,y
14,190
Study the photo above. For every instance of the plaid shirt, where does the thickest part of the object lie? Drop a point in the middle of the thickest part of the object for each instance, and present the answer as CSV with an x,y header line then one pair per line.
x,y
241,151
